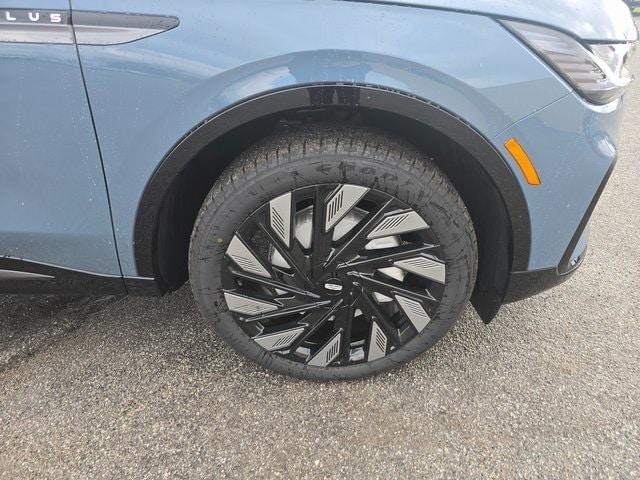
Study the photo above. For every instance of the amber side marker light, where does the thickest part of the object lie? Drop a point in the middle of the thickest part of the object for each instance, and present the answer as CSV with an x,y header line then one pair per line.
x,y
524,162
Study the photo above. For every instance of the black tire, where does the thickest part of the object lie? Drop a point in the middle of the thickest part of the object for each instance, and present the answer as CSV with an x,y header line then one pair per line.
x,y
317,155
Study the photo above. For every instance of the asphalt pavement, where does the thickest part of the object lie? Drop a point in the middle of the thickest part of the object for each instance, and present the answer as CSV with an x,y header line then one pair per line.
x,y
121,387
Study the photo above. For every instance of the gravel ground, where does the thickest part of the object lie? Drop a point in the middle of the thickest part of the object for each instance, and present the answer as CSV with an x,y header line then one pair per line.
x,y
134,387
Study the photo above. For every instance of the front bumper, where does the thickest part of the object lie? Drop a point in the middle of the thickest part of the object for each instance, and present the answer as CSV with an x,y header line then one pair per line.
x,y
531,282
527,284
572,144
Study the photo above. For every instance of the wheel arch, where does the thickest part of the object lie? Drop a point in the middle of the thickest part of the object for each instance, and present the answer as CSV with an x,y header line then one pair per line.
x,y
503,228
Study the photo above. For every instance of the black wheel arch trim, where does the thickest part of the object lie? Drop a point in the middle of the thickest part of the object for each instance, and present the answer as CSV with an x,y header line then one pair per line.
x,y
327,95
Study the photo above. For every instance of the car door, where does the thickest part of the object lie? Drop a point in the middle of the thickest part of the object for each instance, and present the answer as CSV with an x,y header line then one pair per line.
x,y
54,211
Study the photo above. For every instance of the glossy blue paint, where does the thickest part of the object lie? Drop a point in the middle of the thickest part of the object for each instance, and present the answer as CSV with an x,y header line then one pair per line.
x,y
573,145
37,4
169,83
53,201
586,19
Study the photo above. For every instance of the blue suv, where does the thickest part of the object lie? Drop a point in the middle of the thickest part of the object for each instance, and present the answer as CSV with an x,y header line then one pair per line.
x,y
336,179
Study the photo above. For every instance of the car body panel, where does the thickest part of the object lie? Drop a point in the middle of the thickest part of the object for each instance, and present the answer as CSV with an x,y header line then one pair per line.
x,y
53,200
599,20
573,146
37,4
127,110
166,85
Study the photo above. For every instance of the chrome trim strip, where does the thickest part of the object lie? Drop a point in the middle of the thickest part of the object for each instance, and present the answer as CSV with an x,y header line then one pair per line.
x,y
37,264
17,275
112,28
24,33
20,25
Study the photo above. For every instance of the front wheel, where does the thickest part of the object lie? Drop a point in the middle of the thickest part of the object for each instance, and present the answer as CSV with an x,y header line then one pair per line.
x,y
332,253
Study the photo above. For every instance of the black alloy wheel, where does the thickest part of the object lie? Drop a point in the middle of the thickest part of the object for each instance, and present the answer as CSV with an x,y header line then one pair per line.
x,y
333,274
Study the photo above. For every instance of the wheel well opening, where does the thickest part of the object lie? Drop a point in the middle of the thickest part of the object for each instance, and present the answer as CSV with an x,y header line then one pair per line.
x,y
490,218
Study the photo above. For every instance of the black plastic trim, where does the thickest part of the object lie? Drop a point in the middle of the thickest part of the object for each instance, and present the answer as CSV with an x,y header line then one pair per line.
x,y
565,264
322,96
527,284
33,277
142,287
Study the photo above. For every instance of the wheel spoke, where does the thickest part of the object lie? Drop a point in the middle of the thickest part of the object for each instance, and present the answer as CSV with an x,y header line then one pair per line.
x,y
378,342
280,216
286,311
384,258
357,239
398,223
369,307
390,288
313,321
328,353
268,282
286,254
278,340
246,257
344,323
321,237
341,201
415,312
248,304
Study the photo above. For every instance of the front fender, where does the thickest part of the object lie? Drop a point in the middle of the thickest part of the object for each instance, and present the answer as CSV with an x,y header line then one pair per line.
x,y
400,104
148,95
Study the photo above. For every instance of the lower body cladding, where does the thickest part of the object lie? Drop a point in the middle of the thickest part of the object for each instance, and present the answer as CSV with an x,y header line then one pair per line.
x,y
572,145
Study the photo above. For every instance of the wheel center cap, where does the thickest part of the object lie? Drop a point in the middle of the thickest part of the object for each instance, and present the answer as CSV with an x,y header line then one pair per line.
x,y
333,285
